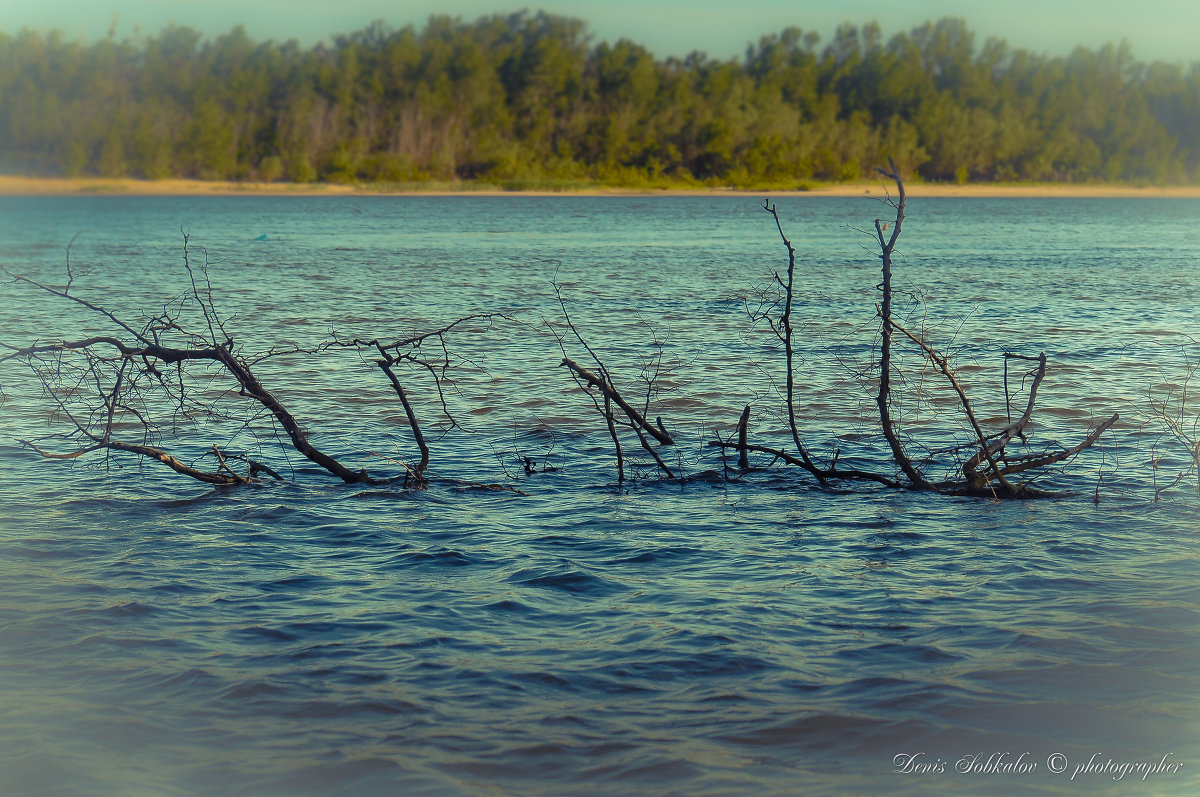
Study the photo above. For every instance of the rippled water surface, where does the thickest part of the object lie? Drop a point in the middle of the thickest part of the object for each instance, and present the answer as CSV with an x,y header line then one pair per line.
x,y
748,635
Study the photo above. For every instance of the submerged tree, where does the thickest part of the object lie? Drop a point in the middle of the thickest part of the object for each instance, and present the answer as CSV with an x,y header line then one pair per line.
x,y
180,374
598,383
984,466
177,386
1173,409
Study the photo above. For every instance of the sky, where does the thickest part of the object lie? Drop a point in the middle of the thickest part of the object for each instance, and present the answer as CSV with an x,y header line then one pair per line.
x,y
1167,30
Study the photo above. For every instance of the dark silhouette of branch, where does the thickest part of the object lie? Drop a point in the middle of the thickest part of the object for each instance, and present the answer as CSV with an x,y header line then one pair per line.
x,y
126,373
409,351
744,446
610,392
883,399
784,331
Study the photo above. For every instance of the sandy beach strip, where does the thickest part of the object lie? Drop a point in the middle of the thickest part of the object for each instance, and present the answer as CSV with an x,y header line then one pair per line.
x,y
52,186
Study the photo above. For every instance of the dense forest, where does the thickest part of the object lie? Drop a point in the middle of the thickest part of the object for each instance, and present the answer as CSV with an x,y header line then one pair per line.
x,y
522,98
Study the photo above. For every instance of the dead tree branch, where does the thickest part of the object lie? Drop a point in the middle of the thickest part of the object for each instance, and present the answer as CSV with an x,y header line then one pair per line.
x,y
611,393
601,380
784,331
887,244
411,351
161,386
126,371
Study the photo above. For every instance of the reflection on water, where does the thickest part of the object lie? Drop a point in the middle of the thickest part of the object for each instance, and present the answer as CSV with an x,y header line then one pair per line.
x,y
754,637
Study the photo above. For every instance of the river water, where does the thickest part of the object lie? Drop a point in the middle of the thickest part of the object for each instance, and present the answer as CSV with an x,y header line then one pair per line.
x,y
716,634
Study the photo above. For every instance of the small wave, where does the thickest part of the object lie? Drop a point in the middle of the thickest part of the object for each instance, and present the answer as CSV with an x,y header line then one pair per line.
x,y
131,609
442,558
335,628
305,581
249,690
509,606
662,771
52,551
1072,549
427,642
189,682
890,650
260,633
351,709
704,664
861,626
816,731
542,678
1036,584
658,555
569,580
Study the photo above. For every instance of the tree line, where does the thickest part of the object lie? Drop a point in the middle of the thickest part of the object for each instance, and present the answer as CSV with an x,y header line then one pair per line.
x,y
515,99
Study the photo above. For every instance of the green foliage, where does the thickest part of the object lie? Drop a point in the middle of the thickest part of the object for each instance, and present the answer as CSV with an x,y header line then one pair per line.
x,y
270,168
524,100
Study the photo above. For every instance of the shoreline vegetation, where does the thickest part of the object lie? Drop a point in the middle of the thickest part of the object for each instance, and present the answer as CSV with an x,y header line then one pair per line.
x,y
530,102
83,186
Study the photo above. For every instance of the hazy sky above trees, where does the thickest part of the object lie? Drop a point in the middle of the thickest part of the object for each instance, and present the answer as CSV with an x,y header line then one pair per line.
x,y
1157,29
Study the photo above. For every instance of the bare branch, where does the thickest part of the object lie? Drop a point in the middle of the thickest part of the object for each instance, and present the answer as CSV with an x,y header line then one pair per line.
x,y
610,393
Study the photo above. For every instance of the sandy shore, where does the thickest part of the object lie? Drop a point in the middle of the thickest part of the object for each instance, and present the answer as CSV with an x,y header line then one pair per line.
x,y
40,186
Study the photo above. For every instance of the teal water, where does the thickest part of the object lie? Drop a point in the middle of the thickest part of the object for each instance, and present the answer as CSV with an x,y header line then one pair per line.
x,y
753,635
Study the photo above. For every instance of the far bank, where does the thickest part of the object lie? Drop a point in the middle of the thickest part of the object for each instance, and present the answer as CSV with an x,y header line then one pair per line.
x,y
42,186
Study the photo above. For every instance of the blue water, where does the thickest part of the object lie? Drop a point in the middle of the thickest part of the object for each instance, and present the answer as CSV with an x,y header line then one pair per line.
x,y
749,635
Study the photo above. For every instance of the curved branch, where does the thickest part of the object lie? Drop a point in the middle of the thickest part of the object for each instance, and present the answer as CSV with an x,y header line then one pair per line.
x,y
224,477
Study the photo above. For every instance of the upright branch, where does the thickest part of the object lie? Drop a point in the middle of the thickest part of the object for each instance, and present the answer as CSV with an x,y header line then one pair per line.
x,y
887,244
783,331
1173,408
743,430
611,423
